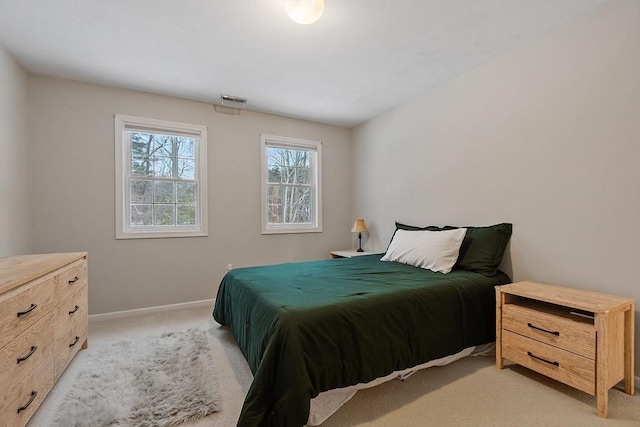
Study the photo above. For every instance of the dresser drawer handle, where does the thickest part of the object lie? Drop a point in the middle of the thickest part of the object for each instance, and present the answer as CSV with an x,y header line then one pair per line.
x,y
75,279
23,358
543,330
75,342
542,360
33,397
28,310
74,310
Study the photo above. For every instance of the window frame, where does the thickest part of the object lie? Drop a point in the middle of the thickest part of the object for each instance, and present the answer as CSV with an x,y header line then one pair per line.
x,y
123,175
315,163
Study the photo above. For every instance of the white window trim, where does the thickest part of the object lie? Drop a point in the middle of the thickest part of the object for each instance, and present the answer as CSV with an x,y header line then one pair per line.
x,y
293,143
123,158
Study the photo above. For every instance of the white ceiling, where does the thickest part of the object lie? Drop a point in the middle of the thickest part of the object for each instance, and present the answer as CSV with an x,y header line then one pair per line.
x,y
360,59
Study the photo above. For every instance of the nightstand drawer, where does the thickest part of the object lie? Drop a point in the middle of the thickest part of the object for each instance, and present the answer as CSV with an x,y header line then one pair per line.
x,y
564,366
577,336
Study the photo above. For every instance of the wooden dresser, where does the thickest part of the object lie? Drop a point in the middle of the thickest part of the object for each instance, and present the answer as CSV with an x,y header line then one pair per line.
x,y
581,338
43,324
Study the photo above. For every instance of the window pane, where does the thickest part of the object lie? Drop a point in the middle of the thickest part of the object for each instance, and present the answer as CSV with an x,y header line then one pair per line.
x,y
141,166
164,192
287,157
141,215
141,191
288,195
163,145
164,215
141,144
295,175
186,192
163,166
186,215
185,148
274,174
274,156
300,214
275,214
186,168
275,194
289,205
288,166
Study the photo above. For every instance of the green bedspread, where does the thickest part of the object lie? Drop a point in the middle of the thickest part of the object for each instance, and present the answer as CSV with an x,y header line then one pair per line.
x,y
308,327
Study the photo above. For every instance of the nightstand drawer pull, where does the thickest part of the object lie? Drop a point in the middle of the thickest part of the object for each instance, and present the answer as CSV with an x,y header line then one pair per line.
x,y
28,355
543,330
542,360
74,310
75,279
33,397
74,342
28,310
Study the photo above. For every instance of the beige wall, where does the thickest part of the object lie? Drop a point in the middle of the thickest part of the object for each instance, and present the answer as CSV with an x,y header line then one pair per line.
x,y
73,182
15,226
546,137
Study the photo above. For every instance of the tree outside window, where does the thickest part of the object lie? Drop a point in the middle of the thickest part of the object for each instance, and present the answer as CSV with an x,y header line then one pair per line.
x,y
291,185
161,178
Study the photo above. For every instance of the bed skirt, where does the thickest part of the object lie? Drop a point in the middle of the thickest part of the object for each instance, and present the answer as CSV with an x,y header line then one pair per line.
x,y
327,403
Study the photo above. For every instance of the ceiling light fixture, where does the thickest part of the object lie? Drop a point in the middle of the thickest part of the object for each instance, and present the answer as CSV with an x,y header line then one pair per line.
x,y
304,11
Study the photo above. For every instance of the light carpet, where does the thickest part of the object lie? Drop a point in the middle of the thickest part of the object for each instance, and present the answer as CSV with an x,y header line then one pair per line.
x,y
161,381
470,392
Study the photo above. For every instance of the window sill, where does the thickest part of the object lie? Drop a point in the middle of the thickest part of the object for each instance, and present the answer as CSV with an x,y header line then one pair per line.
x,y
160,234
292,230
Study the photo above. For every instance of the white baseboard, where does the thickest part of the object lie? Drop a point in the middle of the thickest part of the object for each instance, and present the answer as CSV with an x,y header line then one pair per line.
x,y
151,310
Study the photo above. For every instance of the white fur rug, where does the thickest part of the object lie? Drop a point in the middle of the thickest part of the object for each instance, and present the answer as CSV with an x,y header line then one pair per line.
x,y
162,381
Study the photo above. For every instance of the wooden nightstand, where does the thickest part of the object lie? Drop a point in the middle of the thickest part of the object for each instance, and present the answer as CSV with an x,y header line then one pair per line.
x,y
348,253
581,338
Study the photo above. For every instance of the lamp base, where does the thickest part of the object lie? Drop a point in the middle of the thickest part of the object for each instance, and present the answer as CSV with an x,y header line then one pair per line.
x,y
359,250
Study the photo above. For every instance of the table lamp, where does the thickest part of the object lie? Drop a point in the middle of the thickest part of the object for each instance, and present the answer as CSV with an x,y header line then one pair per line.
x,y
359,227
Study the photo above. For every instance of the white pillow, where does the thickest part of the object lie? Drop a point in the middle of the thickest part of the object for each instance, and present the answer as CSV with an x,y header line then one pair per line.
x,y
431,250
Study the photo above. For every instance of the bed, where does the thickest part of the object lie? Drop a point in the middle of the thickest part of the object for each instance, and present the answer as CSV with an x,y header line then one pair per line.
x,y
306,328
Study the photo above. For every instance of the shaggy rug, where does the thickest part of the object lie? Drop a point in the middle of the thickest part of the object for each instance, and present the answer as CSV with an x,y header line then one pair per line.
x,y
162,381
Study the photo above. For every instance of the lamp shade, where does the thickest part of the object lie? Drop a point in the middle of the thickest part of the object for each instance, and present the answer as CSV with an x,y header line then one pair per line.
x,y
359,226
304,11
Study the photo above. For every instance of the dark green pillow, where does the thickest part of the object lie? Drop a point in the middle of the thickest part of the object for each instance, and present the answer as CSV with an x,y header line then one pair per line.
x,y
400,226
482,248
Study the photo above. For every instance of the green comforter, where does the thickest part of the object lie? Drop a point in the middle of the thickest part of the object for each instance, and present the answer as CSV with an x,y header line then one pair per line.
x,y
308,327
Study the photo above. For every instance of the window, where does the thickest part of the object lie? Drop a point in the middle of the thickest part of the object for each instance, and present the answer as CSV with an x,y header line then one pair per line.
x,y
291,185
161,178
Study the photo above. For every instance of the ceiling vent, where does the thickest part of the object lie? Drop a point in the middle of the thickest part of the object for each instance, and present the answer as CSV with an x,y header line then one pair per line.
x,y
232,101
229,104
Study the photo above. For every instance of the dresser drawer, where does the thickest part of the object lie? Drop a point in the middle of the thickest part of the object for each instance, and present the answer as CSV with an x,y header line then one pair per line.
x,y
24,306
34,374
27,395
71,330
564,366
25,353
576,335
70,279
